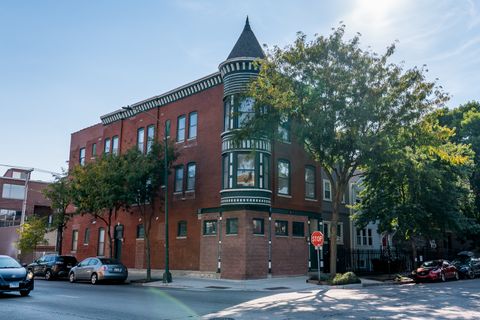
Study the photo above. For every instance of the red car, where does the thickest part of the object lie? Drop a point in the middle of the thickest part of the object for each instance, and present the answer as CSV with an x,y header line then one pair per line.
x,y
435,270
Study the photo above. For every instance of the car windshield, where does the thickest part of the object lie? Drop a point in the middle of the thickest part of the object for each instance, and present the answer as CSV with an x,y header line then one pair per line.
x,y
7,262
429,264
109,261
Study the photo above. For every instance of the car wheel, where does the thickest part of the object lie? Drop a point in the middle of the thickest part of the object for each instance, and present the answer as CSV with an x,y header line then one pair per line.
x,y
94,279
24,293
442,277
470,274
71,277
48,275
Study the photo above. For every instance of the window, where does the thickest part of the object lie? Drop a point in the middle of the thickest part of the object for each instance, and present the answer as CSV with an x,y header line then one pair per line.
x,y
264,172
192,125
245,170
141,140
228,114
106,146
298,229
210,227
182,229
13,191
94,150
178,179
86,236
281,228
326,231
245,111
115,149
74,240
226,176
191,172
150,137
9,218
327,190
283,177
101,242
364,237
140,231
284,129
258,226
310,182
82,157
181,128
232,226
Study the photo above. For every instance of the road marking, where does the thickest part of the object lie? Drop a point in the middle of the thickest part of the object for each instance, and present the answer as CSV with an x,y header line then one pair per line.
x,y
67,296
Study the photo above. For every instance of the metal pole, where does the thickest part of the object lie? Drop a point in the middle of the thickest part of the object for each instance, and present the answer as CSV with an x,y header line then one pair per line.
x,y
167,276
318,261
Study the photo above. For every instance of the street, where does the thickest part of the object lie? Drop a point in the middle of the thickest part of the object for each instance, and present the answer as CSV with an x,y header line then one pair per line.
x,y
62,300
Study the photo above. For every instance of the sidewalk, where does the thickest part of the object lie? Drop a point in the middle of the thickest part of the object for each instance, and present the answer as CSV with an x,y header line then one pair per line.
x,y
195,280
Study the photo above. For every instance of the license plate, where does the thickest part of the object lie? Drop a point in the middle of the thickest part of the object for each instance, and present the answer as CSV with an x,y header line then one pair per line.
x,y
117,269
14,285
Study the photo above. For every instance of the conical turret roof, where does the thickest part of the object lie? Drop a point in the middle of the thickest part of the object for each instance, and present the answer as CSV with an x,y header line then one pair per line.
x,y
247,45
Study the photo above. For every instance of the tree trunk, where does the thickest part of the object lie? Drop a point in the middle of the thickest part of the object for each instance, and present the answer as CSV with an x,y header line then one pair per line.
x,y
110,237
59,239
333,234
147,251
414,252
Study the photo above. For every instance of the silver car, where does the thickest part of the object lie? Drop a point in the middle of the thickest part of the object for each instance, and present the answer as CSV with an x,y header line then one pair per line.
x,y
98,269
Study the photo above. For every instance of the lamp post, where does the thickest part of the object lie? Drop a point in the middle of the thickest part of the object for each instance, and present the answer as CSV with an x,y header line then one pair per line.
x,y
167,276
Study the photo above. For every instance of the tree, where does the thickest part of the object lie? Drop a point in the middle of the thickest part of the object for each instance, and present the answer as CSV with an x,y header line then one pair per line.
x,y
32,233
60,195
145,174
341,102
418,187
465,120
99,189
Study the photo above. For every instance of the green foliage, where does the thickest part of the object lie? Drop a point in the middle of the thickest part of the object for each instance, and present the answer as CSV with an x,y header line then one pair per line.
x,y
342,102
32,234
418,185
346,278
60,195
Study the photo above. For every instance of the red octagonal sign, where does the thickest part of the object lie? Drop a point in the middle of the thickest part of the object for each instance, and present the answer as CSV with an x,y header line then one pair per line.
x,y
317,238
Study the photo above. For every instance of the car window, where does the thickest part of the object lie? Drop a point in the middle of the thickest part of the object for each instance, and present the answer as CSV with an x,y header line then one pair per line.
x,y
42,259
84,262
67,259
7,262
109,261
93,262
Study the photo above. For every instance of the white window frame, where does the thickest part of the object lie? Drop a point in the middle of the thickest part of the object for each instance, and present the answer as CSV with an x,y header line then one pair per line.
x,y
342,231
325,182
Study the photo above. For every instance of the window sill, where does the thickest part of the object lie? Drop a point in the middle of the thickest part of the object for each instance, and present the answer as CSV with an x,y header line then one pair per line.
x,y
85,244
231,234
298,237
284,196
259,234
181,237
209,235
281,236
138,239
329,200
192,139
311,199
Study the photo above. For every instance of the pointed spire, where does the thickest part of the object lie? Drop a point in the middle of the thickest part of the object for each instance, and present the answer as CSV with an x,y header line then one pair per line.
x,y
247,44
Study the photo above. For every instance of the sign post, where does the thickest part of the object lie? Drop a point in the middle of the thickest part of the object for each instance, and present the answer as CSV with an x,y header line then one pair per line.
x,y
317,241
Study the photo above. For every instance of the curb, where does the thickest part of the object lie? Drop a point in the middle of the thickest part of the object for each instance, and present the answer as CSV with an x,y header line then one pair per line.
x,y
385,284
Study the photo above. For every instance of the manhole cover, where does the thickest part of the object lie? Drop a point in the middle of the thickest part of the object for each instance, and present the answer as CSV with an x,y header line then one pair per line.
x,y
217,287
277,288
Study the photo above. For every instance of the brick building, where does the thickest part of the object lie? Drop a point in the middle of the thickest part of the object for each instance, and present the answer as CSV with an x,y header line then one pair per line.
x,y
244,209
12,199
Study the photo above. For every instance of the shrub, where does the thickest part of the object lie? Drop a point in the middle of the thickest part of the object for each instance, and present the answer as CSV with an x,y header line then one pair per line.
x,y
345,278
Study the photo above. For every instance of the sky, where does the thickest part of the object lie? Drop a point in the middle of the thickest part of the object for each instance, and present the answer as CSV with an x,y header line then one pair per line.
x,y
63,64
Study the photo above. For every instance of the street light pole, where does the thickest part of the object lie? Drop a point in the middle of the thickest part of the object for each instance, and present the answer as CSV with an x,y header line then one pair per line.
x,y
167,276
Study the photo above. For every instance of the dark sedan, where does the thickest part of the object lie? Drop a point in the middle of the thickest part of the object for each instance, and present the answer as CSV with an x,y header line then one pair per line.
x,y
468,264
14,277
435,270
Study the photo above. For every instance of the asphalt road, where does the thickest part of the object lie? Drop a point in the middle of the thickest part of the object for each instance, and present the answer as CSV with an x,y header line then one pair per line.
x,y
62,300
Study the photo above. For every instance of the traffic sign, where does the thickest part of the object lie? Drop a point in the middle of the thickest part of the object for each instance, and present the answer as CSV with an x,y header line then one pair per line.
x,y
317,238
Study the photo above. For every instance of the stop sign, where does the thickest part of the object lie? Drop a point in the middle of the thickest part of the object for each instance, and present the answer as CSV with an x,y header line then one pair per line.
x,y
317,238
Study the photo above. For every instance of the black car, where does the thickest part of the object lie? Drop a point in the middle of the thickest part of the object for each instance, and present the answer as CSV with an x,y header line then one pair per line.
x,y
467,264
52,266
14,277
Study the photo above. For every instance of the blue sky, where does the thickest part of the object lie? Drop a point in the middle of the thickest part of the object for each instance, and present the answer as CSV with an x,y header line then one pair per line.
x,y
63,64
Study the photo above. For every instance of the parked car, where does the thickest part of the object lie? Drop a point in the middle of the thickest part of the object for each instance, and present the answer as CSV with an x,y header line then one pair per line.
x,y
96,269
467,264
14,277
435,270
52,266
